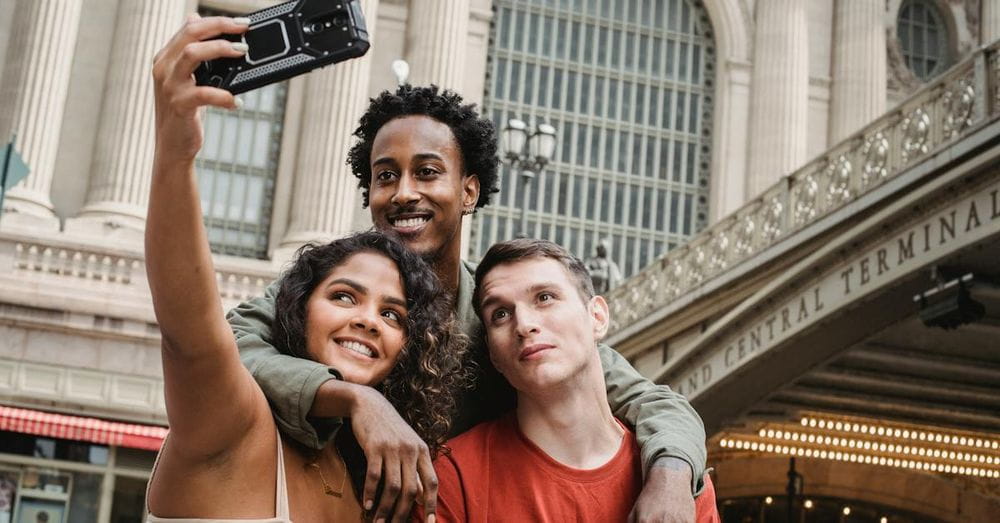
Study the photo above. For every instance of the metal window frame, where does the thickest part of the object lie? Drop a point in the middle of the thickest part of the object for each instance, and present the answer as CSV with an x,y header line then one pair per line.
x,y
938,23
267,175
510,45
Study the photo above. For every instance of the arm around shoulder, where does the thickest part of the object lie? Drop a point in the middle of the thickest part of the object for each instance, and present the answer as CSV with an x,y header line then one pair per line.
x,y
666,425
289,383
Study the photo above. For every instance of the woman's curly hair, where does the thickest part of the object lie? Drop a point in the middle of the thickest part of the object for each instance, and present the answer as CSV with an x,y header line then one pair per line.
x,y
432,366
476,136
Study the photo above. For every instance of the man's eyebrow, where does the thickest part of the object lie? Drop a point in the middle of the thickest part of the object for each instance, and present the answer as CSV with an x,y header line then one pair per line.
x,y
418,157
382,160
350,283
538,287
429,156
488,300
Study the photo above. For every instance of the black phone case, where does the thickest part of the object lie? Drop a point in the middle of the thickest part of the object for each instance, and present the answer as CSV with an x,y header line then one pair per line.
x,y
287,40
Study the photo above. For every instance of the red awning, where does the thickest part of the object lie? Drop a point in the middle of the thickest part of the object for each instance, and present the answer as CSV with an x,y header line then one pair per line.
x,y
28,421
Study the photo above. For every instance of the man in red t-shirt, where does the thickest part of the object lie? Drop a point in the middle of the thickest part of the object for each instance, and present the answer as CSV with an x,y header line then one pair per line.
x,y
561,455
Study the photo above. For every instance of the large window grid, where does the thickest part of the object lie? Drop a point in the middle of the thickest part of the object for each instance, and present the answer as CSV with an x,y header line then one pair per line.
x,y
923,38
632,109
237,167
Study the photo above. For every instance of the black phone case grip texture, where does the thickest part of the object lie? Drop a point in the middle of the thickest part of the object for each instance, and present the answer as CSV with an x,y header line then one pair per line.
x,y
287,40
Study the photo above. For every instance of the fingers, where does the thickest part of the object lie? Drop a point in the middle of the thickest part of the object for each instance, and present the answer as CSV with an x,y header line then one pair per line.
x,y
408,491
391,486
174,64
195,53
429,482
192,99
372,477
197,29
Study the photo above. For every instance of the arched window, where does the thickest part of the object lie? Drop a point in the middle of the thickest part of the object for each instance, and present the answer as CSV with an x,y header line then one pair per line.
x,y
628,85
923,38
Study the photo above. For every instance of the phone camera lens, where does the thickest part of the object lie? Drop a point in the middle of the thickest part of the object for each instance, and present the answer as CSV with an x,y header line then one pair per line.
x,y
315,27
340,20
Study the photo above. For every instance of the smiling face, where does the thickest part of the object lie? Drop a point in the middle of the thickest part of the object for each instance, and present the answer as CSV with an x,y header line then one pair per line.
x,y
419,187
539,329
356,318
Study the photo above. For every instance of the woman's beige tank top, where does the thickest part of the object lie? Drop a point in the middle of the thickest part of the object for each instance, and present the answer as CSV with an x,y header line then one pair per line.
x,y
281,512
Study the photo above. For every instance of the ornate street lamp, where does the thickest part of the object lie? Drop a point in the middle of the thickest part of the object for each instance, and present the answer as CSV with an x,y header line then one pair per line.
x,y
527,153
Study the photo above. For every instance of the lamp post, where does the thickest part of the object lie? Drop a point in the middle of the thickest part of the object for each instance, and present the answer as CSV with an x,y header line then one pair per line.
x,y
793,490
527,153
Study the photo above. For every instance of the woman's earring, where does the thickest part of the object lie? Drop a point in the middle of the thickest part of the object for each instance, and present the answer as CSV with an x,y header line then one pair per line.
x,y
466,212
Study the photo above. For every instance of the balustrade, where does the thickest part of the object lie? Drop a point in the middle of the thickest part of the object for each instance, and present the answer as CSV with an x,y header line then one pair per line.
x,y
942,113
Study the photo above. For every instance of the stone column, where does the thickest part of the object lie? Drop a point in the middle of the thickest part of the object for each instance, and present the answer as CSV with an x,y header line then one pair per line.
x,y
119,184
436,38
33,95
325,192
859,67
990,23
780,93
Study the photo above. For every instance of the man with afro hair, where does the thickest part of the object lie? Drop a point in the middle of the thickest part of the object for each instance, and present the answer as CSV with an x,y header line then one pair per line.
x,y
423,161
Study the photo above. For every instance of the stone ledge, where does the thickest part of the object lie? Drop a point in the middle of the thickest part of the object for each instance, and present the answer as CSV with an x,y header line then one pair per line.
x,y
82,391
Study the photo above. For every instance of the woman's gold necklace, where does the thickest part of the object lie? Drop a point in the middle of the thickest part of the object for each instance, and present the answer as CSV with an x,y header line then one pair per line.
x,y
327,489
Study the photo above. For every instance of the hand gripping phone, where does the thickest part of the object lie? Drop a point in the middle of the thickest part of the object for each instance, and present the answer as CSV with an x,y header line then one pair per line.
x,y
287,40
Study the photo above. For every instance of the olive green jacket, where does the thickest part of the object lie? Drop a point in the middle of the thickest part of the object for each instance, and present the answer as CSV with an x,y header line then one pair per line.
x,y
664,422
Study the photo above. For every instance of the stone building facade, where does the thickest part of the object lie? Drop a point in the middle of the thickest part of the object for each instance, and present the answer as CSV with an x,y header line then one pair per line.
x,y
783,82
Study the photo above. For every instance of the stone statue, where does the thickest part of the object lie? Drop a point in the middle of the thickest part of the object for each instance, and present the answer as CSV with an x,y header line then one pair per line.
x,y
604,272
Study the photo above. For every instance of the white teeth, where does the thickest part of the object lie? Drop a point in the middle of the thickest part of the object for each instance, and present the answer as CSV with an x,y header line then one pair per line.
x,y
357,347
411,222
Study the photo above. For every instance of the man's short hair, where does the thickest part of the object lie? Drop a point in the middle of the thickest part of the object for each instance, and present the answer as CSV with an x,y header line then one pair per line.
x,y
476,136
512,251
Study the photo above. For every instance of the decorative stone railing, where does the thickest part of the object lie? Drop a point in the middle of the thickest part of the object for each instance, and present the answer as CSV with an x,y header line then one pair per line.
x,y
79,268
76,263
953,106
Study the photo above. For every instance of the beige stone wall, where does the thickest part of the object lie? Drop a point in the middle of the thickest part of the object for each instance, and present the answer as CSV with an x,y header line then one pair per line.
x,y
734,23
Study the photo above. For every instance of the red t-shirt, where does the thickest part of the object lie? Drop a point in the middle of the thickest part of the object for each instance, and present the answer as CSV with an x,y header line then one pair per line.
x,y
495,473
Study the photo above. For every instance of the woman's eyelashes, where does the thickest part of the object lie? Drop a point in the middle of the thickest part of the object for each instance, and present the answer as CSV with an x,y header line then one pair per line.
x,y
393,315
343,297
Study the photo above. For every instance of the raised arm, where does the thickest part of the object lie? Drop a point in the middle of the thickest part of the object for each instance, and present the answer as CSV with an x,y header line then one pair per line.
x,y
669,431
211,400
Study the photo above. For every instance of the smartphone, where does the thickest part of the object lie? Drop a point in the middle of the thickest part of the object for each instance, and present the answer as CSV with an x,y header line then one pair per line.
x,y
287,40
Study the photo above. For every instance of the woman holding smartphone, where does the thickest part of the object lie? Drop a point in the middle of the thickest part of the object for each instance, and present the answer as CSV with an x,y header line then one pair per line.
x,y
363,305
